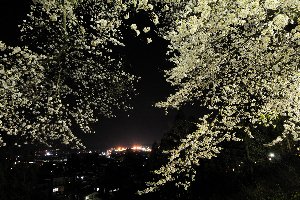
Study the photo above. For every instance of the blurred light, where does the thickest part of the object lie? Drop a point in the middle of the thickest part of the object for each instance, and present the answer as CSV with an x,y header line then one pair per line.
x,y
55,189
141,148
120,149
271,155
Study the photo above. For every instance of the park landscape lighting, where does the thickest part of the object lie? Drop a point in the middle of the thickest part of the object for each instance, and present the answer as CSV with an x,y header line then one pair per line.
x,y
271,155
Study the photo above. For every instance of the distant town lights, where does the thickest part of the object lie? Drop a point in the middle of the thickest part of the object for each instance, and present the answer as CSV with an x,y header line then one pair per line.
x,y
141,148
120,149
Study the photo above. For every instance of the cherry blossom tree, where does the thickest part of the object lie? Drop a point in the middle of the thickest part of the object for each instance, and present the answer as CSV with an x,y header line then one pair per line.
x,y
66,74
238,59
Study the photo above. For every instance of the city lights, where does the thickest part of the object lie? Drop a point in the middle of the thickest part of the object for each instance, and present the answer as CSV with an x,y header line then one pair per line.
x,y
141,148
123,149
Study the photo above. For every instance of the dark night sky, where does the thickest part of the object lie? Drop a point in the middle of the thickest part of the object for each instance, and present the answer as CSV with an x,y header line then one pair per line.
x,y
145,123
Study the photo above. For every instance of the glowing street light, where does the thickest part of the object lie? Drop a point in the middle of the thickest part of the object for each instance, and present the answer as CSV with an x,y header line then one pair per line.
x,y
271,155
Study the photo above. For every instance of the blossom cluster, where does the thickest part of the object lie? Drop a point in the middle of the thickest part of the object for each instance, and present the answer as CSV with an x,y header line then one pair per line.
x,y
67,75
238,59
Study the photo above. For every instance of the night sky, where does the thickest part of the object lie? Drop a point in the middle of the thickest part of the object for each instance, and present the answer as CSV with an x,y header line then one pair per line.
x,y
142,125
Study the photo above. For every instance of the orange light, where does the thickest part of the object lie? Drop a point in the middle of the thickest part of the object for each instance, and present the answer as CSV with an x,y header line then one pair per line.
x,y
120,149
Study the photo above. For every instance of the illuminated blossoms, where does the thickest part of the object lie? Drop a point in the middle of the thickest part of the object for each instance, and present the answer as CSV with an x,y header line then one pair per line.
x,y
237,58
67,75
240,60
